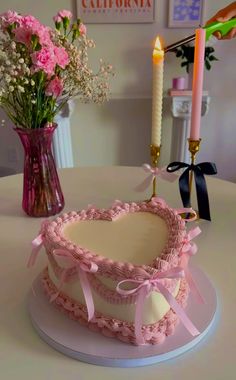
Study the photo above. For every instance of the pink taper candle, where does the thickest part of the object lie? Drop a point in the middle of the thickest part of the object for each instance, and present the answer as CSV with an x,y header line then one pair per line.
x,y
198,72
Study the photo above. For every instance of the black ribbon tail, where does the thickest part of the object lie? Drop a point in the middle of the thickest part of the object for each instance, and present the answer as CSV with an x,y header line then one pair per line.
x,y
184,188
202,195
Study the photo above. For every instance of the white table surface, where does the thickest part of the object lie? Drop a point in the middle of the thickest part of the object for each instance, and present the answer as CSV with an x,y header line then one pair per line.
x,y
23,355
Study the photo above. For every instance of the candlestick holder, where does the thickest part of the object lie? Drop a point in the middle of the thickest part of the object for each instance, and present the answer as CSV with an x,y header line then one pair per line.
x,y
193,147
155,154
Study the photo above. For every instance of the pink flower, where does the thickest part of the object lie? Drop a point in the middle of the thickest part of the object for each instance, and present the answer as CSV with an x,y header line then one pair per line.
x,y
65,13
31,26
44,59
61,56
54,88
44,35
23,35
29,21
82,29
9,17
57,18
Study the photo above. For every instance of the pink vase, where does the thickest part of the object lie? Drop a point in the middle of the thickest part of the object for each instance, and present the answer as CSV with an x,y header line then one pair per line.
x,y
42,194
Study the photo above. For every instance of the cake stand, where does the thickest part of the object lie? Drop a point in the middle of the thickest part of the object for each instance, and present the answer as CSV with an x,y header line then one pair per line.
x,y
78,342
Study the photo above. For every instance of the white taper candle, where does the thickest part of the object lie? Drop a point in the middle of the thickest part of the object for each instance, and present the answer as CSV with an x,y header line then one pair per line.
x,y
157,93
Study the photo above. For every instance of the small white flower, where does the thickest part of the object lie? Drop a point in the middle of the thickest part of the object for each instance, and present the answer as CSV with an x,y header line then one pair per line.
x,y
33,101
13,45
8,63
32,82
21,60
11,88
20,88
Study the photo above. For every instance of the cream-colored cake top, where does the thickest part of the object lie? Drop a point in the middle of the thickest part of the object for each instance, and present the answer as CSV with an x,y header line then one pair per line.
x,y
137,237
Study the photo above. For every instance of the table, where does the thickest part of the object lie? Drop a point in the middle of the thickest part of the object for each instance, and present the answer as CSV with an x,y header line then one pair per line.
x,y
23,355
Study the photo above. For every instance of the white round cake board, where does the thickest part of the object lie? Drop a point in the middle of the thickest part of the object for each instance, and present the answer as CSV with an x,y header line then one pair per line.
x,y
78,342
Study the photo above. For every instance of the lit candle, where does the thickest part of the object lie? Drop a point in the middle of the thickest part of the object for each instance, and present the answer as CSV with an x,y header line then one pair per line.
x,y
157,92
198,72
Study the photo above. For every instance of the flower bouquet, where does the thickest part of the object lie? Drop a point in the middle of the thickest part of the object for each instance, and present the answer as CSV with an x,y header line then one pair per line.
x,y
40,70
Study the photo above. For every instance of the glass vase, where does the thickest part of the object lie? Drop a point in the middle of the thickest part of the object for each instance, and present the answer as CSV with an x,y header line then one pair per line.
x,y
42,194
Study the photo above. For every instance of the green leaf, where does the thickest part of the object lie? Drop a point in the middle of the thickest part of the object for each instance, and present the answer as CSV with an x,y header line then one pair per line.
x,y
213,58
209,49
207,64
178,53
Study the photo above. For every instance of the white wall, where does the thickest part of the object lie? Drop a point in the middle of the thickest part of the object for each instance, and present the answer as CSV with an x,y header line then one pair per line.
x,y
118,133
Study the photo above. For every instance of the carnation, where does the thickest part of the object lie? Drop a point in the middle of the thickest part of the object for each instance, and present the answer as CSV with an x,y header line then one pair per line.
x,y
61,56
54,88
65,13
44,60
42,68
9,18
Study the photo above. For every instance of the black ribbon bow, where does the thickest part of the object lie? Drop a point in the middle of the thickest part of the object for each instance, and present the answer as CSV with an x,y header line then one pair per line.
x,y
199,170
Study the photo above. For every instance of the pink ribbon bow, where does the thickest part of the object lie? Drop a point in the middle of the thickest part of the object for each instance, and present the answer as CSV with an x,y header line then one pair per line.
x,y
81,267
155,173
189,249
143,290
37,244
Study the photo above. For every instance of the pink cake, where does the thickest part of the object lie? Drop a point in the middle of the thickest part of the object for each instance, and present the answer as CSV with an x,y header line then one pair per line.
x,y
121,271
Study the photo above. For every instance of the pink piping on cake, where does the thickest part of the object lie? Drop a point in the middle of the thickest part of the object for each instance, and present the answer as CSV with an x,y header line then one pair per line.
x,y
112,327
53,238
110,295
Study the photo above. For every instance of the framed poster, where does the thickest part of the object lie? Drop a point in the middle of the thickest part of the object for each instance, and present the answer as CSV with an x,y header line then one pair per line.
x,y
116,11
185,13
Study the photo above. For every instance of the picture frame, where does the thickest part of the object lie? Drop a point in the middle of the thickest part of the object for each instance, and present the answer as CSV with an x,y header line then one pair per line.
x,y
185,13
116,11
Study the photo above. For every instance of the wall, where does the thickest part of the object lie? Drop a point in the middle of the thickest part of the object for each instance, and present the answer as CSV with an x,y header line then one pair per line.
x,y
118,133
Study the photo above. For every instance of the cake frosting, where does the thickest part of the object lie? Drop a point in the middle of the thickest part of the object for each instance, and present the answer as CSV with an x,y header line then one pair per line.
x,y
121,271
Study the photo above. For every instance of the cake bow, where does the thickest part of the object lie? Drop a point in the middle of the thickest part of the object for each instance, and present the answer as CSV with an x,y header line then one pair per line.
x,y
154,172
82,268
36,244
143,288
189,249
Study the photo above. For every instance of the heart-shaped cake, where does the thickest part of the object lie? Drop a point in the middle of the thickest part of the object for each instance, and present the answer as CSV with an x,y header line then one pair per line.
x,y
119,271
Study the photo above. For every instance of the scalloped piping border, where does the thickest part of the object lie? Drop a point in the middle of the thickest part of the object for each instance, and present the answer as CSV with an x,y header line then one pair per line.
x,y
53,238
115,328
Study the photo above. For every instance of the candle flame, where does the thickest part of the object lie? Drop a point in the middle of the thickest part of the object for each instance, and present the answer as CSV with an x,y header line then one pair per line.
x,y
158,44
158,53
